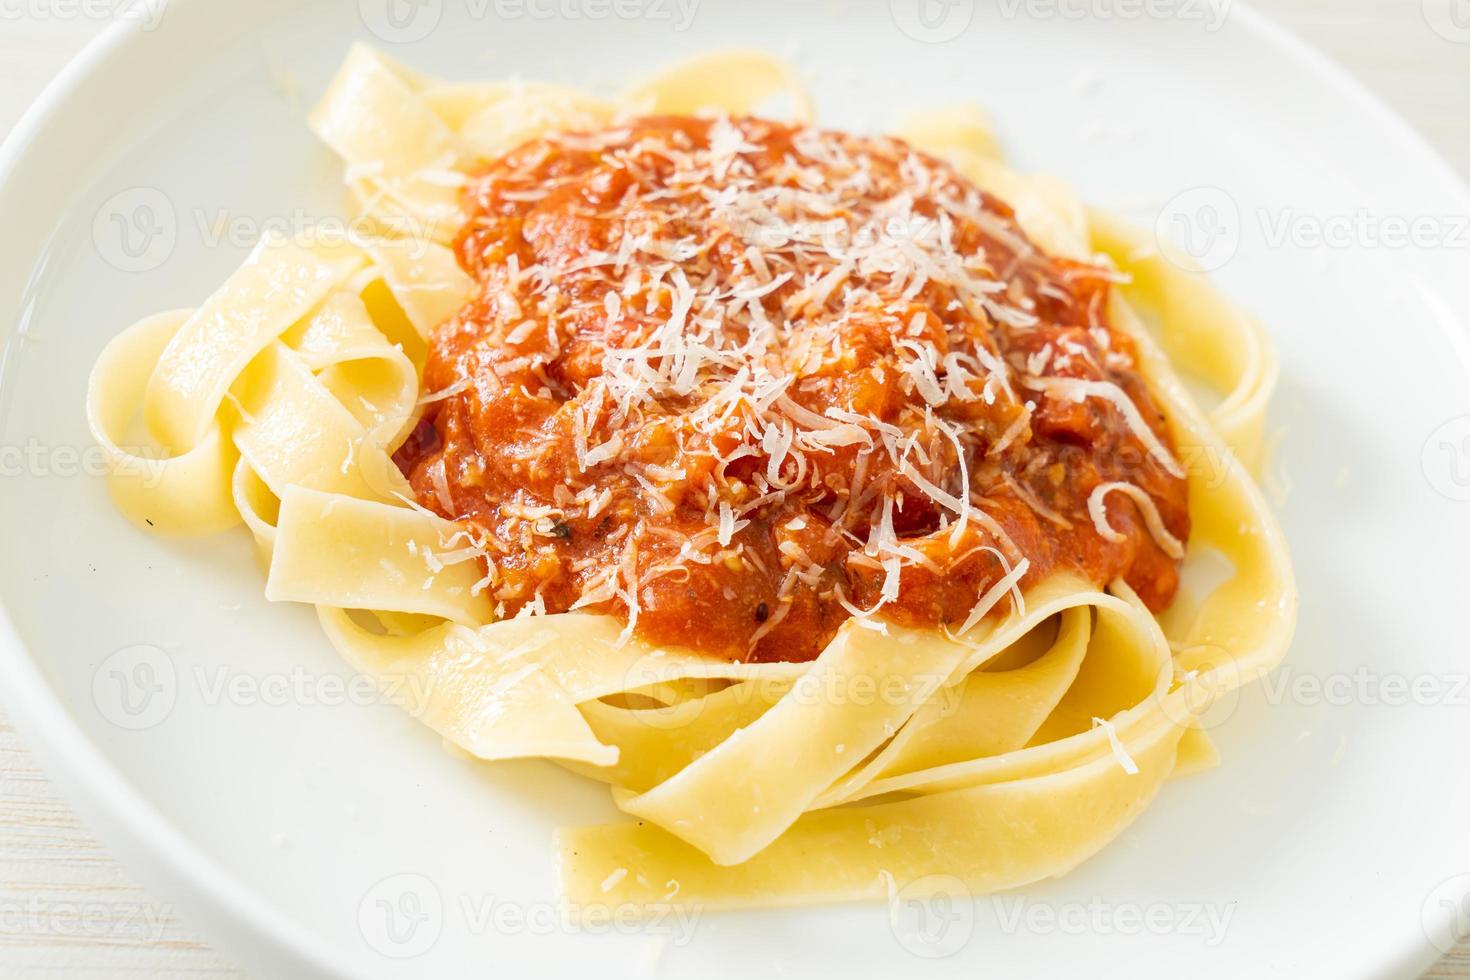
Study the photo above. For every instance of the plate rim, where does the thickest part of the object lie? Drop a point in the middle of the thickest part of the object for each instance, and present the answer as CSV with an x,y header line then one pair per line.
x,y
235,917
135,833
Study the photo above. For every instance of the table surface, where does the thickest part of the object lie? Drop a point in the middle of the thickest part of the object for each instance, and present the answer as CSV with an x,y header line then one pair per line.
x,y
68,909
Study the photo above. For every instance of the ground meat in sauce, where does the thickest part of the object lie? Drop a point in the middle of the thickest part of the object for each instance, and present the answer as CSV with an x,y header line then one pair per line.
x,y
736,377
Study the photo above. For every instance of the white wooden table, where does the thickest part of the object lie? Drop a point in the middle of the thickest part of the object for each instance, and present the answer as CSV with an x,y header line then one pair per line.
x,y
68,909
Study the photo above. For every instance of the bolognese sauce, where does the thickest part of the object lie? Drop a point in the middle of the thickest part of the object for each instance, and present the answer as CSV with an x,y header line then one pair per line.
x,y
737,381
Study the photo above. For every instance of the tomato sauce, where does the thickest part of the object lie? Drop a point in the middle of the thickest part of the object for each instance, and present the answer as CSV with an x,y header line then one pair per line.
x,y
739,380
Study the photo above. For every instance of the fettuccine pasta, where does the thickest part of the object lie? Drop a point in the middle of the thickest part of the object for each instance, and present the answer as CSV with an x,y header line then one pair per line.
x,y
951,594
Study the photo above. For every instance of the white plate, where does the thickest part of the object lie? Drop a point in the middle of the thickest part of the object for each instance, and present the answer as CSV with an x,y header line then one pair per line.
x,y
1331,842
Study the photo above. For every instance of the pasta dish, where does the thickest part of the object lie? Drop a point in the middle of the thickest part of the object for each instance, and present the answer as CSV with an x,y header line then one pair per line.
x,y
835,498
